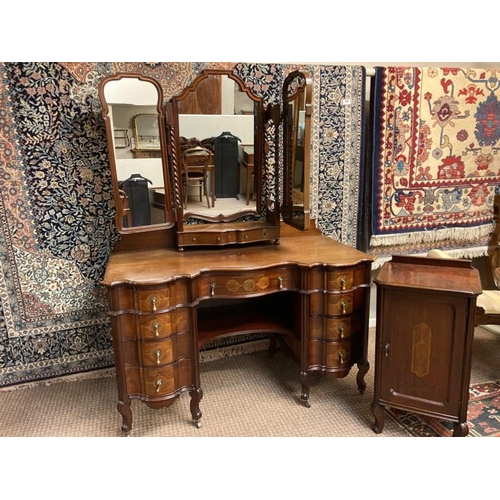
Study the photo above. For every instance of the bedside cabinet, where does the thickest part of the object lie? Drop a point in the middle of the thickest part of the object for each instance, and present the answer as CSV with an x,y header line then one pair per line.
x,y
424,334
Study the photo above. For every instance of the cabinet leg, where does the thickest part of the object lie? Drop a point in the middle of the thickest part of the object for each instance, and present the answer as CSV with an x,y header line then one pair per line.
x,y
196,397
304,397
360,377
378,413
124,408
460,429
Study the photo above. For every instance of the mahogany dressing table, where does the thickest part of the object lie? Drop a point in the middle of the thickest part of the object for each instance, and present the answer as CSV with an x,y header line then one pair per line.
x,y
188,278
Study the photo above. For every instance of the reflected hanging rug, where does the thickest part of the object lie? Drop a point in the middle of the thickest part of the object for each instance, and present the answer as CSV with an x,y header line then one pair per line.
x,y
436,160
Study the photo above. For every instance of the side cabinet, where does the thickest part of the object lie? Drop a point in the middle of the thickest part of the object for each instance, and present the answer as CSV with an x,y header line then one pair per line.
x,y
424,333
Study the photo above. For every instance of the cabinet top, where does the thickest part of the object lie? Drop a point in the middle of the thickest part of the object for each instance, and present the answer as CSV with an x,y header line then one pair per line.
x,y
455,275
149,266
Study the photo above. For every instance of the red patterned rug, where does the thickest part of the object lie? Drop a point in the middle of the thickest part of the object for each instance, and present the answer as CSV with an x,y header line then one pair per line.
x,y
483,415
436,161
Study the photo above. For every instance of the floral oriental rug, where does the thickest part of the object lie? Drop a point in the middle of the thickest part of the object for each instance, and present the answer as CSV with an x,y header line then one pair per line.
x,y
483,415
56,202
436,161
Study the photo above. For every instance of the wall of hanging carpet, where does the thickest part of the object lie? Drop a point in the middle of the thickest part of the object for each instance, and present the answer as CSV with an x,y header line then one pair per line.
x,y
436,160
56,204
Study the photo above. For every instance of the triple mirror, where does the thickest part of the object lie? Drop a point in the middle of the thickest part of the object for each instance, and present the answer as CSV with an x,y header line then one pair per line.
x,y
156,147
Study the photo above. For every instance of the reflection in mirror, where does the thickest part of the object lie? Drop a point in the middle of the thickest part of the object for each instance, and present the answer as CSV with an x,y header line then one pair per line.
x,y
219,116
132,108
297,116
146,131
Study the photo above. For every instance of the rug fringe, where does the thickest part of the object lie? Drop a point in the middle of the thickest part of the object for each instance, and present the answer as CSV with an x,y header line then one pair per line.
x,y
431,236
106,372
234,350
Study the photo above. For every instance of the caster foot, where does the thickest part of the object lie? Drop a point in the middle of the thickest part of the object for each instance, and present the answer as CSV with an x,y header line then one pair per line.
x,y
197,423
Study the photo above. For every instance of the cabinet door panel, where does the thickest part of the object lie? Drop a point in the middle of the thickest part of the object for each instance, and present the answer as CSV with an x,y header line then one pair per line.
x,y
422,348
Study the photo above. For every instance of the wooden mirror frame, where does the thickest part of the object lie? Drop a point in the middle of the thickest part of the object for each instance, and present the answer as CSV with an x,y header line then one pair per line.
x,y
164,200
295,210
262,224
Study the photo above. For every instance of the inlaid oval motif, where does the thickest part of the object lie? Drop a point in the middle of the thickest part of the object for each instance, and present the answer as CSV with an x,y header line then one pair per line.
x,y
263,283
421,350
232,285
249,285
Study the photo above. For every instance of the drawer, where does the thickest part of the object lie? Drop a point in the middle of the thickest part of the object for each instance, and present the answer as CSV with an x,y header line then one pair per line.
x,y
156,326
339,279
153,299
330,354
166,380
166,351
333,280
248,283
324,328
332,304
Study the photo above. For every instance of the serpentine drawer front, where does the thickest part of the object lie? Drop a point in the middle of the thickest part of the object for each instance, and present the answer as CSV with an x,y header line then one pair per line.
x,y
310,292
247,283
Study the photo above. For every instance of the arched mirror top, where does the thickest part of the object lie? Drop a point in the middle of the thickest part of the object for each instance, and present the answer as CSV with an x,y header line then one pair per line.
x,y
297,99
132,107
218,112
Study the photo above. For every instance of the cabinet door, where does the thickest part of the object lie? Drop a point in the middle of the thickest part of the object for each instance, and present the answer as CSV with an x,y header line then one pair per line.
x,y
421,349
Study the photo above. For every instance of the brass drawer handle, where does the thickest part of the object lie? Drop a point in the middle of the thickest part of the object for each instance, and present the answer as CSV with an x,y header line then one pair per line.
x,y
280,283
158,356
343,307
341,331
159,383
212,289
343,282
341,357
154,302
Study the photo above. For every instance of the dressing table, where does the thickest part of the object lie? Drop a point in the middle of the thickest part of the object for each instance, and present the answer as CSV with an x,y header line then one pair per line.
x,y
191,278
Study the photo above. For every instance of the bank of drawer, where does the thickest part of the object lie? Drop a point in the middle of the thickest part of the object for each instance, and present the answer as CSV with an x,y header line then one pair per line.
x,y
324,328
329,354
166,351
157,326
151,300
332,304
163,381
249,283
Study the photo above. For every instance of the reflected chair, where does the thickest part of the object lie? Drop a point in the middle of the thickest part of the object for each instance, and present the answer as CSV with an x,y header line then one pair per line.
x,y
196,172
125,209
488,302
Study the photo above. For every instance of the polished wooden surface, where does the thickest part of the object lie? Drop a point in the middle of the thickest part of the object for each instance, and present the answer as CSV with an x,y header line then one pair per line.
x,y
158,265
424,333
310,293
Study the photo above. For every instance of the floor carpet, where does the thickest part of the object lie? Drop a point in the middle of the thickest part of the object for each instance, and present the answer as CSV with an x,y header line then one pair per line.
x,y
483,415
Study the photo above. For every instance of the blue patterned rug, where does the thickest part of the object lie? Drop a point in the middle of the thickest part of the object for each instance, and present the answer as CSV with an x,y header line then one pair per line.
x,y
57,212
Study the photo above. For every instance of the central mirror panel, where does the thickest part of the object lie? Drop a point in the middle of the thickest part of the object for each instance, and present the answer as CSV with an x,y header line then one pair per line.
x,y
219,200
218,115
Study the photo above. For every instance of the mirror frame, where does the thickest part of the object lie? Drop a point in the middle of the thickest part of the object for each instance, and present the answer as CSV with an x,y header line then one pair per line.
x,y
167,206
294,215
247,226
